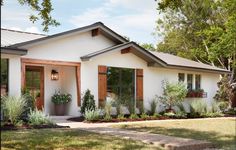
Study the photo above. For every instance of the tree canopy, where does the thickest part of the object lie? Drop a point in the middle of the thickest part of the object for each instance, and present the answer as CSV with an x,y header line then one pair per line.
x,y
42,10
202,30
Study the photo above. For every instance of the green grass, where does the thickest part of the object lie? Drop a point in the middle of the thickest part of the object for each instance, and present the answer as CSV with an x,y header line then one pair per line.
x,y
65,139
221,132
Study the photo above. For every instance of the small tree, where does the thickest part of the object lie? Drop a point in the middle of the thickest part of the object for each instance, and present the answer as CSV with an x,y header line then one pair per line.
x,y
88,102
173,94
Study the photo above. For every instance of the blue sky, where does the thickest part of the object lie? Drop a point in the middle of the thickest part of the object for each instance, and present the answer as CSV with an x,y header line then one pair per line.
x,y
132,18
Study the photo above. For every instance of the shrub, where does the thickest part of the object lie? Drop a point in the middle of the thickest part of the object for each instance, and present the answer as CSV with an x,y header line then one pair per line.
x,y
107,118
92,115
37,117
107,108
173,93
223,105
198,108
180,115
153,106
139,104
231,111
213,108
133,116
181,107
60,98
169,114
88,102
144,116
156,115
30,105
121,117
13,107
213,114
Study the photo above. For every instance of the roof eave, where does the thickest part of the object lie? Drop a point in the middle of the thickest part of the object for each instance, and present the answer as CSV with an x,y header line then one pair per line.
x,y
13,51
199,69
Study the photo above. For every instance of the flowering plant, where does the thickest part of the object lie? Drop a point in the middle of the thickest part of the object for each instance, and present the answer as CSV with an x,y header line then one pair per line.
x,y
59,98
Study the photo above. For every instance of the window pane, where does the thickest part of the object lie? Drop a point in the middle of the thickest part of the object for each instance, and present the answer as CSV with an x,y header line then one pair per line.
x,y
120,83
33,80
4,76
181,77
189,81
197,81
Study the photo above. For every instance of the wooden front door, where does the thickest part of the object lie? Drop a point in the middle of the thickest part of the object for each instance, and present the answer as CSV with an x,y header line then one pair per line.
x,y
34,82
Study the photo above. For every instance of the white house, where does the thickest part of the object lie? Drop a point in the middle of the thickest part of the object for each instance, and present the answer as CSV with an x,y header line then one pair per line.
x,y
94,57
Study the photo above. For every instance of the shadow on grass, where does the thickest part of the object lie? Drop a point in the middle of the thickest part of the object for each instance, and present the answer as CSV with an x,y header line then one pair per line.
x,y
226,142
64,139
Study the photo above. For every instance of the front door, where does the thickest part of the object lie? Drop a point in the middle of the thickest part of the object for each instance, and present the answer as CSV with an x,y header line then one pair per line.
x,y
34,82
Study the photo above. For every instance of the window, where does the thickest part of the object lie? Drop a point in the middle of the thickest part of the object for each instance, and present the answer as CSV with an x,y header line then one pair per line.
x,y
189,81
4,76
181,77
197,81
120,82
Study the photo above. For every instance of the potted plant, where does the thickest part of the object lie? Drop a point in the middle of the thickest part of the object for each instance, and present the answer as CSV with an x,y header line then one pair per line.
x,y
60,100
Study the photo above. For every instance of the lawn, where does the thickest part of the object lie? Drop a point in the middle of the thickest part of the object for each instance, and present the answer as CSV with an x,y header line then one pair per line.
x,y
65,139
221,132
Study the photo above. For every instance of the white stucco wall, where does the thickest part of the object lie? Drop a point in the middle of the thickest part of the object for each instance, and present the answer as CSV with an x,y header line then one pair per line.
x,y
72,48
69,48
153,76
14,74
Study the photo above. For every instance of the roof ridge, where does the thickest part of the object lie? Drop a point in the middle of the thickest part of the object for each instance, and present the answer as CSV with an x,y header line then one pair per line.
x,y
23,32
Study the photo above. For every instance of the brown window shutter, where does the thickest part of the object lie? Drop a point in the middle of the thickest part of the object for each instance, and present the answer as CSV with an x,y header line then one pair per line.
x,y
102,85
139,84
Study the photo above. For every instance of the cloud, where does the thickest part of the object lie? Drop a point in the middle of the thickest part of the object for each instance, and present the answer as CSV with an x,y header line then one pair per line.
x,y
32,30
132,18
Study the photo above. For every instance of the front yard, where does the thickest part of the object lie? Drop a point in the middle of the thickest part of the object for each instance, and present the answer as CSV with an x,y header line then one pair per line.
x,y
64,139
220,131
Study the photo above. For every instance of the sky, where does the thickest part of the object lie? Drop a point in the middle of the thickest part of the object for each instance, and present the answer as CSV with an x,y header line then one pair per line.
x,y
131,18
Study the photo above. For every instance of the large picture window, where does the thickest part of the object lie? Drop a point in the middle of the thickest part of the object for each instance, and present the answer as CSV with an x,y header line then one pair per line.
x,y
120,82
4,76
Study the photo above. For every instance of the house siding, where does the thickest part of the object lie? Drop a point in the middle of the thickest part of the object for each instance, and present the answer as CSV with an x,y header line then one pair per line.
x,y
72,48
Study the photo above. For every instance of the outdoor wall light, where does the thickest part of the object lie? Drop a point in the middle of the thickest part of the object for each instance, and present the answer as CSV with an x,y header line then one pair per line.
x,y
54,75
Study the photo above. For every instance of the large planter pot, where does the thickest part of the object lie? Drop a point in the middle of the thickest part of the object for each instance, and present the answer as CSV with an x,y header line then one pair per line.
x,y
60,109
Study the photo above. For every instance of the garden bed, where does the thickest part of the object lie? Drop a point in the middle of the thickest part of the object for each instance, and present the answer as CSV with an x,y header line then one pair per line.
x,y
116,120
9,126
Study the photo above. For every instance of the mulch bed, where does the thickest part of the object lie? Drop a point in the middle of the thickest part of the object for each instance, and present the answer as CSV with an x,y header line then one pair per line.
x,y
76,119
9,126
115,120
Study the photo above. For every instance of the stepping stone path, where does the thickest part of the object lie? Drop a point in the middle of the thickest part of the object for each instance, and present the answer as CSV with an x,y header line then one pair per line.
x,y
166,142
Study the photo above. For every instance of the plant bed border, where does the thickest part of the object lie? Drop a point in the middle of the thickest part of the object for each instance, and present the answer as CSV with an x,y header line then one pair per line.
x,y
116,120
7,127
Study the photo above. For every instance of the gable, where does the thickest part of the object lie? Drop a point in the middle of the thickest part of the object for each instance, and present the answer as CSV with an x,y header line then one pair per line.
x,y
69,48
95,29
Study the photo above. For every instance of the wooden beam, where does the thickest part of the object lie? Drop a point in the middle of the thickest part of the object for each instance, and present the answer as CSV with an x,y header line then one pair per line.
x,y
126,50
23,75
96,32
31,61
78,83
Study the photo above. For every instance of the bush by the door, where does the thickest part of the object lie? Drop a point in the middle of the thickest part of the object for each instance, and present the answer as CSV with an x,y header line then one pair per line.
x,y
88,102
